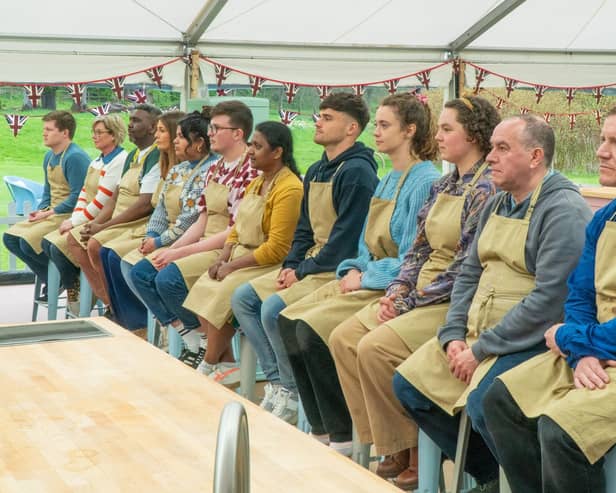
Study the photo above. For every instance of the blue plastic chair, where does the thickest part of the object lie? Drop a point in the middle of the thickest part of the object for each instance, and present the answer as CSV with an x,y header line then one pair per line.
x,y
23,190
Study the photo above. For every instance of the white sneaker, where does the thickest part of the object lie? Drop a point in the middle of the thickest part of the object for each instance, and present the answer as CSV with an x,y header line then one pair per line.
x,y
343,448
205,368
226,373
269,399
285,406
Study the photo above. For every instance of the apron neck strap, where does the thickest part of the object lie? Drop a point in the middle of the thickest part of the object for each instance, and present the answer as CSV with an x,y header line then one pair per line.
x,y
469,186
533,200
402,179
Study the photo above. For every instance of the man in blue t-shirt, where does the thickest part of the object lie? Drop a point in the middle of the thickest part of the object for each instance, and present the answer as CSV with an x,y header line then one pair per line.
x,y
65,166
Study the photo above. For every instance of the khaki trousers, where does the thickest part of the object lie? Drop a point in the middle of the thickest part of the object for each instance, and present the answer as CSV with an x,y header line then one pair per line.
x,y
365,362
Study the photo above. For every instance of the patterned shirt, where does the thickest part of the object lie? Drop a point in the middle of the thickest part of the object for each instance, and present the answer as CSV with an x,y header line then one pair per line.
x,y
192,187
439,290
236,177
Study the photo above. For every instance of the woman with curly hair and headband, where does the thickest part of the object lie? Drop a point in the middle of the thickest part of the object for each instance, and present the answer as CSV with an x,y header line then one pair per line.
x,y
369,346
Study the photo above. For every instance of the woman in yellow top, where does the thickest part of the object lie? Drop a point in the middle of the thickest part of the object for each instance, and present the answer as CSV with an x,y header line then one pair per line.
x,y
257,244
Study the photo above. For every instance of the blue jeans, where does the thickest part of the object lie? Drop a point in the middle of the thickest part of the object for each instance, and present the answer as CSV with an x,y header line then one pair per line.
x,y
127,308
259,323
23,251
442,428
163,292
126,268
69,274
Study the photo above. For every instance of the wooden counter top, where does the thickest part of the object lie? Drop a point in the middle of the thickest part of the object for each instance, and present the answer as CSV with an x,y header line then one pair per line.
x,y
115,414
608,193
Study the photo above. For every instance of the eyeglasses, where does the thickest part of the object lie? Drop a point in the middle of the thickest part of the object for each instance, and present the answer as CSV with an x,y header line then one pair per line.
x,y
213,129
98,133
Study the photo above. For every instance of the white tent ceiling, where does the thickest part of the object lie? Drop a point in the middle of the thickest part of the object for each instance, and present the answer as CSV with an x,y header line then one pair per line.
x,y
556,42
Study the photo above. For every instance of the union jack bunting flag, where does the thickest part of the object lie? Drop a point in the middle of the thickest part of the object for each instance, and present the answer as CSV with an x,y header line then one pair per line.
x,y
100,110
480,76
524,110
315,117
424,79
76,92
572,118
323,91
34,93
156,75
290,91
221,73
499,103
287,116
510,85
138,97
597,92
117,86
569,94
16,122
255,83
359,89
597,113
391,85
539,92
223,92
548,116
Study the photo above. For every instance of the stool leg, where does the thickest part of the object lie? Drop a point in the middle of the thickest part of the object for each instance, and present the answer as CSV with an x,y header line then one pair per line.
x,y
464,434
153,333
302,421
85,296
429,464
37,293
53,286
176,344
248,369
361,451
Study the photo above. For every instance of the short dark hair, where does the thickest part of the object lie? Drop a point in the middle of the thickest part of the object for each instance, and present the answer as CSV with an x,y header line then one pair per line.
x,y
537,133
348,103
478,118
63,120
239,114
153,111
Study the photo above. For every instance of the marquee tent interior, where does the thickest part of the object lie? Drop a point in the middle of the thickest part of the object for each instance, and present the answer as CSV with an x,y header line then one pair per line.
x,y
555,42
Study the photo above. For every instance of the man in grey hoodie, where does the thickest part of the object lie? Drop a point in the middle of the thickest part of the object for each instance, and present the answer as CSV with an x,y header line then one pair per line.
x,y
511,288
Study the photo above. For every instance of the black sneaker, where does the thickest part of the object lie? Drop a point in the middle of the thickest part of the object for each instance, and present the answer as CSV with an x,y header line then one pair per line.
x,y
192,359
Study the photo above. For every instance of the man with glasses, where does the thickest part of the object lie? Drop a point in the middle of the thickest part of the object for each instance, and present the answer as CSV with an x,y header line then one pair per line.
x,y
164,283
64,166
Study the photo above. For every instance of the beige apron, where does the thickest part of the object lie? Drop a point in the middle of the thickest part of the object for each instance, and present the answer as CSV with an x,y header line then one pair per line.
x,y
128,192
194,266
91,187
443,230
544,384
322,216
328,307
504,282
173,206
211,299
59,190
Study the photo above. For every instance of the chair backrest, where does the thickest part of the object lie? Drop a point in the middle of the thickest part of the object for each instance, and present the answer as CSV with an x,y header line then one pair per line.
x,y
23,190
